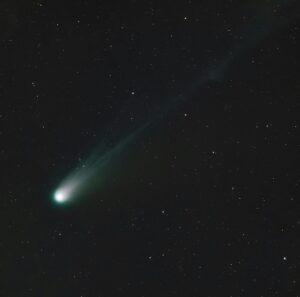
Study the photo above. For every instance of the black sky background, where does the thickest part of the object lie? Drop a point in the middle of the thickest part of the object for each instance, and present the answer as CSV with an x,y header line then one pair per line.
x,y
205,202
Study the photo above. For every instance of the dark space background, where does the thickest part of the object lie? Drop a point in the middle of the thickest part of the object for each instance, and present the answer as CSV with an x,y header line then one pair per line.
x,y
205,202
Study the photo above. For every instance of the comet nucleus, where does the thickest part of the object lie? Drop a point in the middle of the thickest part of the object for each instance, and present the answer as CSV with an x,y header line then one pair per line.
x,y
60,196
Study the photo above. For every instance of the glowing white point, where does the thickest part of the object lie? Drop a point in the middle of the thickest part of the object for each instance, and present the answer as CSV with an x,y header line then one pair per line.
x,y
60,196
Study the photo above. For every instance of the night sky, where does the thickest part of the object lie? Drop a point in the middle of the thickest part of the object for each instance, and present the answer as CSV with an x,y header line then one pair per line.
x,y
186,113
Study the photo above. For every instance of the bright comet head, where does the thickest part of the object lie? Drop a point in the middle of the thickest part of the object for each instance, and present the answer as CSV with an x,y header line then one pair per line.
x,y
60,196
66,191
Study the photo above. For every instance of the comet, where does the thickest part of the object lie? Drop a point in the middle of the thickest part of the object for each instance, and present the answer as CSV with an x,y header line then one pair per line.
x,y
94,170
